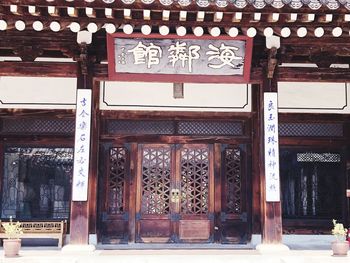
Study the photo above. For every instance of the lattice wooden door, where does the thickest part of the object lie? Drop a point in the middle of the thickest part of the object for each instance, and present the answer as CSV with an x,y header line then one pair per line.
x,y
114,201
175,196
196,185
235,222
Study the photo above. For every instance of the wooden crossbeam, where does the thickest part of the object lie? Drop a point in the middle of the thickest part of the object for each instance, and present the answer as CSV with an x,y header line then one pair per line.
x,y
37,69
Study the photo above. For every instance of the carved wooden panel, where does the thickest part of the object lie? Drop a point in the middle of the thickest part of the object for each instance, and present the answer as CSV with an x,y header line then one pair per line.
x,y
232,168
116,180
194,165
194,229
156,172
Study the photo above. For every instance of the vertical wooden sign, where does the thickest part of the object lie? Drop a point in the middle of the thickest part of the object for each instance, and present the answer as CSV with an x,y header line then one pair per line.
x,y
82,145
272,178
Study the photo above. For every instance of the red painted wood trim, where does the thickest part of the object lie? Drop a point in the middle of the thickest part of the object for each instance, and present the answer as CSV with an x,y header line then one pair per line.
x,y
112,75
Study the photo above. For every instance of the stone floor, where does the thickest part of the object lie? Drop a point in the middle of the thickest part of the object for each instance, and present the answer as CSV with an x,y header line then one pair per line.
x,y
45,255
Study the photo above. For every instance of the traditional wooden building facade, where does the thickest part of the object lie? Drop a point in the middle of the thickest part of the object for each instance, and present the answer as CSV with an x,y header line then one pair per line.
x,y
175,157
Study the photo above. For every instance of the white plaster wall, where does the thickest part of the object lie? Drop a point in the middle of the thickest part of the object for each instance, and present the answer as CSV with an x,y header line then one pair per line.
x,y
313,97
159,96
37,93
60,93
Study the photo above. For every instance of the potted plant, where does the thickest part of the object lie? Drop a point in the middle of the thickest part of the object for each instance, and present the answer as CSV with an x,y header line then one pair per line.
x,y
340,246
12,244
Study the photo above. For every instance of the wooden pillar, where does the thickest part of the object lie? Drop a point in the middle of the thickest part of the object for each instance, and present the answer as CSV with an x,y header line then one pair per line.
x,y
271,213
94,149
79,217
256,153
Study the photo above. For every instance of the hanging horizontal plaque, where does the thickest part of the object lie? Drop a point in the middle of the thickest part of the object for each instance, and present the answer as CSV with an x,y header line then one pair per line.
x,y
179,59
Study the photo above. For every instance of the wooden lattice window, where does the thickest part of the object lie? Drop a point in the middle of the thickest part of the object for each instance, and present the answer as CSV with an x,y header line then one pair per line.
x,y
171,127
311,183
311,129
36,182
116,180
37,126
194,180
233,177
156,169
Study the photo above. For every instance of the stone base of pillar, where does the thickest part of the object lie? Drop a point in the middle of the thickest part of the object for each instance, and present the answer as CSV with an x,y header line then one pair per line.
x,y
78,248
272,248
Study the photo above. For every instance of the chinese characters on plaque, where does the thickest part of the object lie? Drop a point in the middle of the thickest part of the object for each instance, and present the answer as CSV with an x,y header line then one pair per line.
x,y
82,145
179,56
271,147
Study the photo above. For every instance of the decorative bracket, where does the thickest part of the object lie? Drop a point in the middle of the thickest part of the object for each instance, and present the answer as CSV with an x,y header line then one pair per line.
x,y
28,53
272,62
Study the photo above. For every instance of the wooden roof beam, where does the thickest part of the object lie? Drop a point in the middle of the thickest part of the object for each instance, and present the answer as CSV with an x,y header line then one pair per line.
x,y
292,17
237,17
273,18
165,15
146,14
183,15
218,16
109,13
127,13
90,12
325,18
347,17
16,10
72,11
33,10
52,11
200,16
307,18
256,17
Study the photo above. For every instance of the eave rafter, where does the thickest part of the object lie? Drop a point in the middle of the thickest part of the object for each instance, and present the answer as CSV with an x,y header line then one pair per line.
x,y
58,18
59,21
191,5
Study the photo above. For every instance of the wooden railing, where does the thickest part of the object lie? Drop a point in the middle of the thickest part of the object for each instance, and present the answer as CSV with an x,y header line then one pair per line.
x,y
44,229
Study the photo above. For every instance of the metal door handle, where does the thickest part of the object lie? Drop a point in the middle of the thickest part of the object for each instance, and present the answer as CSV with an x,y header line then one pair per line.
x,y
175,195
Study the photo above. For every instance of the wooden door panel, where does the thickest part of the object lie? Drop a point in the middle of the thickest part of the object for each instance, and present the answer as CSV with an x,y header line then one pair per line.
x,y
235,231
155,232
195,175
234,220
194,229
115,203
153,206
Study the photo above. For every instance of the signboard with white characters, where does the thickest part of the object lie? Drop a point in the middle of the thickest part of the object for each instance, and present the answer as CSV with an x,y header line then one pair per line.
x,y
272,182
82,145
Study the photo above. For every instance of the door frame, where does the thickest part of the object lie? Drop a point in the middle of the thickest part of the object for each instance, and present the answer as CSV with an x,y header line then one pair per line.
x,y
216,170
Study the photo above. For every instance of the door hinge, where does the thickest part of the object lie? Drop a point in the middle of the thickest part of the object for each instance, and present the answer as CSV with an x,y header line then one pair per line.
x,y
211,216
175,238
244,217
223,216
126,216
175,217
104,216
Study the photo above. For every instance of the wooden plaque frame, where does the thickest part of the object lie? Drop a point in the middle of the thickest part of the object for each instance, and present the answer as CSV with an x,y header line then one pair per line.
x,y
193,78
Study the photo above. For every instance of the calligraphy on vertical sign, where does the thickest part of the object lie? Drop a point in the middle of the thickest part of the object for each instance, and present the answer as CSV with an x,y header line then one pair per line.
x,y
271,147
178,59
82,145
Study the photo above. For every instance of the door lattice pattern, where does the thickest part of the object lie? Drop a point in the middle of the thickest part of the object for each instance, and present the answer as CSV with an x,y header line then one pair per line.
x,y
156,164
194,180
233,180
116,180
